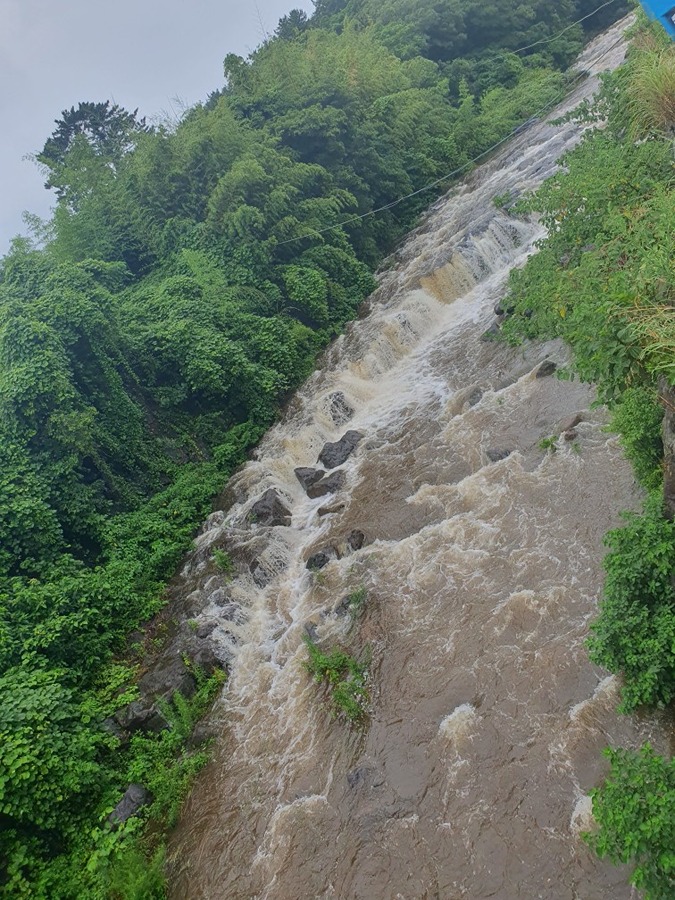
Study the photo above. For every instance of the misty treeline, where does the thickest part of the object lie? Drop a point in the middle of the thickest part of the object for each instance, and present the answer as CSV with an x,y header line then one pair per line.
x,y
151,331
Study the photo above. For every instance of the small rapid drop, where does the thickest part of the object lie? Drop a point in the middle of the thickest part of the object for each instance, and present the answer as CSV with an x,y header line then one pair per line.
x,y
481,565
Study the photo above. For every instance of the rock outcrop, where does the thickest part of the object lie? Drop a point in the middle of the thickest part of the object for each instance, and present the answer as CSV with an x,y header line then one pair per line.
x,y
546,369
134,799
320,560
140,715
331,484
270,510
166,678
336,453
497,455
307,477
339,408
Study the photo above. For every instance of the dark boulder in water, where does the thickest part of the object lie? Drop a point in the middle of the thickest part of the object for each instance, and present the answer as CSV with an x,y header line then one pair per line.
x,y
319,560
270,510
337,452
356,539
498,455
307,477
328,485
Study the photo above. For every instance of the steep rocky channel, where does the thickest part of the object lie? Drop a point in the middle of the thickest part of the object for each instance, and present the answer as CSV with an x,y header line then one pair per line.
x,y
481,557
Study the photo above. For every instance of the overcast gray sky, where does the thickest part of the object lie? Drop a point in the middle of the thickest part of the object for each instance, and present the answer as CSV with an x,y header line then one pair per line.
x,y
139,53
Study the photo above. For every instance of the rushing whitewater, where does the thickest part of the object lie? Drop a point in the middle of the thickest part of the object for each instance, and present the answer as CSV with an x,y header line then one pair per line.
x,y
487,720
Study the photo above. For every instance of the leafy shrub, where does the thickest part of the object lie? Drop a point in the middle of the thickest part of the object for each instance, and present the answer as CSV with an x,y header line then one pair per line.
x,y
637,417
634,635
161,763
344,677
88,860
47,752
635,813
502,200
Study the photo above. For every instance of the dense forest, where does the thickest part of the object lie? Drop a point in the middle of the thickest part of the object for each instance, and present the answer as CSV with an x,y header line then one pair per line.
x,y
151,331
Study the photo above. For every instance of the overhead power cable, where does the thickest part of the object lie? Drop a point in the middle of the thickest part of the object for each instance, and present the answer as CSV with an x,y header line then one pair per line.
x,y
564,31
455,172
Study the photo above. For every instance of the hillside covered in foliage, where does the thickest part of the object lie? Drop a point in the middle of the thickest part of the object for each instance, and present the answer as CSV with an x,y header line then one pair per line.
x,y
604,281
151,331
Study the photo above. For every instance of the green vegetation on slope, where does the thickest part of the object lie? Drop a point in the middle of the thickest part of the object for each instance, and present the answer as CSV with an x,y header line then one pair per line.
x,y
151,332
604,281
634,811
344,677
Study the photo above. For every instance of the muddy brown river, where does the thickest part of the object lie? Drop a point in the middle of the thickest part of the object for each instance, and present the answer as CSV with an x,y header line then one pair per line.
x,y
487,720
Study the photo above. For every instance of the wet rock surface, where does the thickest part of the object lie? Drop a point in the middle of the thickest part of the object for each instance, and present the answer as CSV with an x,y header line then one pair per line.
x,y
270,510
203,733
207,659
311,631
339,408
569,422
336,453
342,608
475,397
140,716
331,509
491,334
167,678
231,612
356,540
331,484
495,455
206,628
546,369
134,799
171,671
307,477
353,542
320,559
111,726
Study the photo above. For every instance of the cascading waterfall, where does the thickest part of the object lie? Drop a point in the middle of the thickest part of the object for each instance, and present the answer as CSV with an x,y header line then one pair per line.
x,y
481,563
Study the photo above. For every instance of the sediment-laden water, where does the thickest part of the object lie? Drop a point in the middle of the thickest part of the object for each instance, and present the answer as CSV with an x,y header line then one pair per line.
x,y
487,719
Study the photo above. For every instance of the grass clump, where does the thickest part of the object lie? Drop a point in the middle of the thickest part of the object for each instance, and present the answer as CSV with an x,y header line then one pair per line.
x,y
224,561
133,877
549,443
343,675
651,93
357,603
